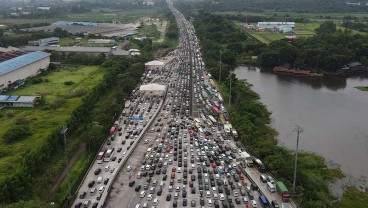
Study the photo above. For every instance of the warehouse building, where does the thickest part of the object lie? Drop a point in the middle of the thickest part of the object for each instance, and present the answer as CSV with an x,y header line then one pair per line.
x,y
18,101
44,42
284,27
21,67
101,41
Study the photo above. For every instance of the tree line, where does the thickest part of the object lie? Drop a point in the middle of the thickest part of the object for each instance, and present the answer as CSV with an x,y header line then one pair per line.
x,y
100,105
251,118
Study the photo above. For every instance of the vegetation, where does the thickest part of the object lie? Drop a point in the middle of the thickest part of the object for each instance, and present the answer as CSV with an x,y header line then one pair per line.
x,y
251,118
362,88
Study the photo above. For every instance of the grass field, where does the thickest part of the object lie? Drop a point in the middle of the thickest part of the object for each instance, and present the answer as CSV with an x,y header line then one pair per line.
x,y
102,15
43,120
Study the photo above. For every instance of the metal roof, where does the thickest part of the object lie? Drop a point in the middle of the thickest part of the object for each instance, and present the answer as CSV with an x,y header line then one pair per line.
x,y
4,97
21,61
26,99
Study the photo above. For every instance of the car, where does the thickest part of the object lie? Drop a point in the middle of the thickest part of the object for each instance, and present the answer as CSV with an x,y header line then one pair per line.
x,y
131,183
149,197
119,149
78,205
202,202
237,201
97,171
168,197
106,180
112,170
82,195
119,160
193,203
159,192
175,203
91,184
129,169
184,202
245,200
253,203
138,188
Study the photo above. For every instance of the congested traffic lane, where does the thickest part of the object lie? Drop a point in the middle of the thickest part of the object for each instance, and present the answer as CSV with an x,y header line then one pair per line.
x,y
94,188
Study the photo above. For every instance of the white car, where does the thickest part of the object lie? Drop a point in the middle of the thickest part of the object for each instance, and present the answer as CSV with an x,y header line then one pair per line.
x,y
149,197
254,203
146,141
222,197
129,169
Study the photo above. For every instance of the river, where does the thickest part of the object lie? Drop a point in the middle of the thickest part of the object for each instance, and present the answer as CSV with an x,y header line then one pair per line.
x,y
333,114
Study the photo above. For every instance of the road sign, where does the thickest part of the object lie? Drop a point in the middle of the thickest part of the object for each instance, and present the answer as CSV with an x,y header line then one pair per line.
x,y
135,118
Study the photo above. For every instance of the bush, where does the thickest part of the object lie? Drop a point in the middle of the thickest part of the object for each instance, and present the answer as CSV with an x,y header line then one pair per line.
x,y
76,93
57,103
36,81
68,83
16,133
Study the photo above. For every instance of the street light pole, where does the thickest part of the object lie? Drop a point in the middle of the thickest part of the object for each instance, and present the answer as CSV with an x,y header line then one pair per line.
x,y
220,67
230,90
63,131
299,130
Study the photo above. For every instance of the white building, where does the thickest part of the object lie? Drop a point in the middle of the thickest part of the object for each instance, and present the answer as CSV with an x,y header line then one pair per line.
x,y
44,41
22,67
102,41
284,27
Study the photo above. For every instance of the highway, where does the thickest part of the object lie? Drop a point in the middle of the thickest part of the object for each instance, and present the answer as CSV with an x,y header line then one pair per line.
x,y
169,149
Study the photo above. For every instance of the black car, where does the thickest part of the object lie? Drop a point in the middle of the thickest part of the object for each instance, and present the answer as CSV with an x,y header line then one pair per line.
x,y
95,205
202,201
97,171
128,147
192,177
175,203
119,149
113,159
159,192
137,188
217,204
123,142
164,177
119,160
91,184
78,205
131,183
168,197
184,194
106,180
184,202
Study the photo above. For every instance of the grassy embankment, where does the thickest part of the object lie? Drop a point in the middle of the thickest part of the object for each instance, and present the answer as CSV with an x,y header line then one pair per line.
x,y
42,121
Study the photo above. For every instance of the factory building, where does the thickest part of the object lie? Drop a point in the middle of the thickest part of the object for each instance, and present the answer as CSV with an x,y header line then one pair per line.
x,y
283,27
44,42
17,66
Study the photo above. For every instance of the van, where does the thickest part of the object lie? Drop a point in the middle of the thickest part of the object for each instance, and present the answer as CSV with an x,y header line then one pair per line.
x,y
99,196
99,180
142,194
209,203
155,202
270,187
102,189
139,175
263,178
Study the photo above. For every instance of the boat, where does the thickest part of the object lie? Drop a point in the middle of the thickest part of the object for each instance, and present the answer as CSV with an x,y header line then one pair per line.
x,y
296,72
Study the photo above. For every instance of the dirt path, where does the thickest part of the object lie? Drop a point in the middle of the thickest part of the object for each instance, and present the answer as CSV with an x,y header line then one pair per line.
x,y
82,147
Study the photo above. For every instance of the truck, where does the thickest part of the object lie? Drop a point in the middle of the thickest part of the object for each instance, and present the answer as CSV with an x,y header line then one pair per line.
x,y
127,104
227,129
282,191
261,167
100,156
263,201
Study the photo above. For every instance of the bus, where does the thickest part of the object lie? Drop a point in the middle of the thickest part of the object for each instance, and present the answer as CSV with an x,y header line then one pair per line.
x,y
108,155
100,156
212,119
283,191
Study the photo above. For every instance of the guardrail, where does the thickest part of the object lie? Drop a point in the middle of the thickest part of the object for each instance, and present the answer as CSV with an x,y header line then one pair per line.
x,y
134,146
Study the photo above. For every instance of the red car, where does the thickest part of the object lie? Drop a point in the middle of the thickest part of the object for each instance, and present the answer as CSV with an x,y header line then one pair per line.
x,y
213,165
190,184
248,206
172,175
173,169
241,177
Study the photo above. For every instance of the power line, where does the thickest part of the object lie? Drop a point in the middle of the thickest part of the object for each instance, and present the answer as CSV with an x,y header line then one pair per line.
x,y
299,130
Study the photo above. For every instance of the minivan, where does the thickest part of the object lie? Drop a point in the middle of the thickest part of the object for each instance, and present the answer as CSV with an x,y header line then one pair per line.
x,y
263,178
270,187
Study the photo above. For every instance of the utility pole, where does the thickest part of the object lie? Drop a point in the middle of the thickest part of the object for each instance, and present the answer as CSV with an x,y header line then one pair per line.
x,y
63,131
220,67
298,130
230,90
